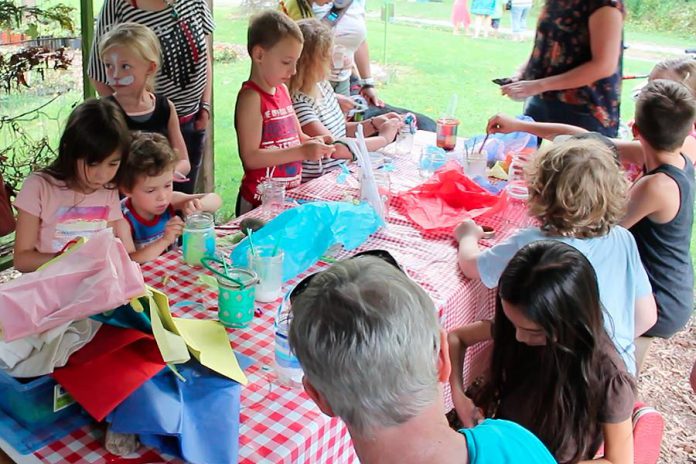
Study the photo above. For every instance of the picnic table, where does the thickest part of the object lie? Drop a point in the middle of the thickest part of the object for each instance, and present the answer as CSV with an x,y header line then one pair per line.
x,y
280,424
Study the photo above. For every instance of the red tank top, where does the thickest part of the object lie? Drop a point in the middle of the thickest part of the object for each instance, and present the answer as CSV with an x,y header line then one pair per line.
x,y
279,131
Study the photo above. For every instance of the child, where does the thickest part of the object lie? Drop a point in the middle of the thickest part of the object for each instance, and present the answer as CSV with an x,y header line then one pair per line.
x,y
460,16
317,108
75,196
150,203
271,144
553,369
131,56
578,194
661,205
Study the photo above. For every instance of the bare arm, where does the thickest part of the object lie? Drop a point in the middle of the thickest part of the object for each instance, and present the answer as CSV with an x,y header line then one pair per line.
x,y
645,198
172,231
122,231
468,233
26,257
646,314
249,123
188,203
618,444
102,89
362,62
503,124
605,26
183,166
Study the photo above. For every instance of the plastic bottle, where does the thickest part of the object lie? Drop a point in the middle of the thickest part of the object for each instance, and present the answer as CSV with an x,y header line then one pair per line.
x,y
287,366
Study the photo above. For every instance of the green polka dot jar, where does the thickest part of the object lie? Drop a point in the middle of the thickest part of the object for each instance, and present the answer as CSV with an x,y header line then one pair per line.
x,y
235,302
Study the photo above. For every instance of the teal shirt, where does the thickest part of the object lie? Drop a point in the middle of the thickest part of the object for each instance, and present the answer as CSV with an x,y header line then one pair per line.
x,y
497,441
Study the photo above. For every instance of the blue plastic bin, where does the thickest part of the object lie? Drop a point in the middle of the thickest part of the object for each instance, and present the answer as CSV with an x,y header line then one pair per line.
x,y
36,402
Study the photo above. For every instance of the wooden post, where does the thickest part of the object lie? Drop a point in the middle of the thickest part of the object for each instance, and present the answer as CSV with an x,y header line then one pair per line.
x,y
87,27
206,176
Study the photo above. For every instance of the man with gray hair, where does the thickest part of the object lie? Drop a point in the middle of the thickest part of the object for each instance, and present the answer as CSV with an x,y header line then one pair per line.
x,y
373,353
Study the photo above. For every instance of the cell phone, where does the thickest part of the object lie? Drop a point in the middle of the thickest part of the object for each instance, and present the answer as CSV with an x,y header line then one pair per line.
x,y
503,81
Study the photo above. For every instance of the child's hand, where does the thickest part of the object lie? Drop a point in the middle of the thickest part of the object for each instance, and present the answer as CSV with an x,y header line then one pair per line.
x,y
467,411
173,229
468,228
314,150
380,120
346,103
389,129
503,124
326,139
192,206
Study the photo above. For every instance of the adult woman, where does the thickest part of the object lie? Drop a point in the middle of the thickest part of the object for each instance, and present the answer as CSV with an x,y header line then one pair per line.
x,y
553,369
182,27
574,73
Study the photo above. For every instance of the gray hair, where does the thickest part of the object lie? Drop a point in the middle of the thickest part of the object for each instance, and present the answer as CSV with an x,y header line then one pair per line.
x,y
368,339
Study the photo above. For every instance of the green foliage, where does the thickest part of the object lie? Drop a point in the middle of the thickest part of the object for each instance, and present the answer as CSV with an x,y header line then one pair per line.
x,y
29,19
677,16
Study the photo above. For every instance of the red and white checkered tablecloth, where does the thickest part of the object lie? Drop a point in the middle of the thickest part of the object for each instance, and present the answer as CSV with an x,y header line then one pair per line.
x,y
279,424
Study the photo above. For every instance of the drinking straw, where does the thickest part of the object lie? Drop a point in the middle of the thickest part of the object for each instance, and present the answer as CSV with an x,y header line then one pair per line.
x,y
251,242
224,265
485,139
452,107
277,245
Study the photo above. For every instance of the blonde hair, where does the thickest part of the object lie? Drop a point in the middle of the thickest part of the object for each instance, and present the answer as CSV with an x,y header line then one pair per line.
x,y
138,38
576,189
683,68
314,62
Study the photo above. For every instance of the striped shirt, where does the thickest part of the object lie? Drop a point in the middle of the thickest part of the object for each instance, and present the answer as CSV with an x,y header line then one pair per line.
x,y
182,77
326,110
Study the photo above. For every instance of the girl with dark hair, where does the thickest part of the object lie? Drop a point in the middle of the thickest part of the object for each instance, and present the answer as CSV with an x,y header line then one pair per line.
x,y
553,370
76,195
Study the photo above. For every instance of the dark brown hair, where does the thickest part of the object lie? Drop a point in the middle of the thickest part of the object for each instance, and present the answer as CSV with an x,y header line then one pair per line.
x,y
554,286
95,130
150,156
270,27
665,113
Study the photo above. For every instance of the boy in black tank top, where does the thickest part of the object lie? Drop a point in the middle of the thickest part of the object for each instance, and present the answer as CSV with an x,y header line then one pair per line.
x,y
660,209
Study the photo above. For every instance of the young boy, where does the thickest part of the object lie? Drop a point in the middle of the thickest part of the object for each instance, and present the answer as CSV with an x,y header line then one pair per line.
x,y
578,194
660,205
271,143
150,205
373,354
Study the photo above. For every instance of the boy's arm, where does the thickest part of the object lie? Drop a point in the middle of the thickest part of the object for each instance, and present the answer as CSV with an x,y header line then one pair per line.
x,y
183,166
172,231
468,233
504,124
26,257
249,123
188,203
645,198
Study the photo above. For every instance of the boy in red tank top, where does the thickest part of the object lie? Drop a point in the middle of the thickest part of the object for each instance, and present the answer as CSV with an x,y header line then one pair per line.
x,y
271,143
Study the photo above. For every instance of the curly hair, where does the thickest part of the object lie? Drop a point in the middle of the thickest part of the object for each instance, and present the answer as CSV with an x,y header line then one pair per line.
x,y
576,189
314,62
150,156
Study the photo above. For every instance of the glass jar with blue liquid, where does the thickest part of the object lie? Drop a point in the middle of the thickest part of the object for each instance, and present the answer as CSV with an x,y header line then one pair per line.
x,y
198,238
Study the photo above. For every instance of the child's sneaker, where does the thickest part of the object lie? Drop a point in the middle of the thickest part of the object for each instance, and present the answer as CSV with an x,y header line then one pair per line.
x,y
648,426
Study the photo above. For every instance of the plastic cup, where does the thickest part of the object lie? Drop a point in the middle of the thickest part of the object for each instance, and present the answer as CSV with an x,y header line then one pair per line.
x,y
269,270
476,164
431,159
446,133
236,303
286,365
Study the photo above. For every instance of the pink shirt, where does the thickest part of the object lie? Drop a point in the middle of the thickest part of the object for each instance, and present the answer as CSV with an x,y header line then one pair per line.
x,y
65,214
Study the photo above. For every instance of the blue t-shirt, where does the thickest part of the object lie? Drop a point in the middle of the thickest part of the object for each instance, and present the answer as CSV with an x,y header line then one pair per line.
x,y
620,274
145,232
496,441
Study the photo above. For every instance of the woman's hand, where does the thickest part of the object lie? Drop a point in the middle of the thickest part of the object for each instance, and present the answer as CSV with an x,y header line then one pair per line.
x,y
522,89
202,118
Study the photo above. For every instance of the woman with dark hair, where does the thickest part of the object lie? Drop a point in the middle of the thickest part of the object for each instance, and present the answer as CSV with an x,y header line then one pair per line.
x,y
553,370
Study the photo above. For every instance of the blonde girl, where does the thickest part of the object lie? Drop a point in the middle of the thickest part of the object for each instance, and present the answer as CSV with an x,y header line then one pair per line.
x,y
317,108
131,55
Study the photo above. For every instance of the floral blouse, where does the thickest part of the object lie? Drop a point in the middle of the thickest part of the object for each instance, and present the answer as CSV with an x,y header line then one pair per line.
x,y
562,43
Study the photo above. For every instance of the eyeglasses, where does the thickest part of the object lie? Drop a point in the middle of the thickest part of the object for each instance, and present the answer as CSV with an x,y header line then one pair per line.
x,y
384,255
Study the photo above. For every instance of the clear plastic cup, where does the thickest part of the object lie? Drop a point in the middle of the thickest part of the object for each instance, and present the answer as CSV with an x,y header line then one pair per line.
x,y
287,366
432,158
267,262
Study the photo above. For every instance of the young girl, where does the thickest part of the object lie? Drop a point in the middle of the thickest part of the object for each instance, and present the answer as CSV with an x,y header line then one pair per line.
x,y
578,194
131,56
553,369
76,195
317,108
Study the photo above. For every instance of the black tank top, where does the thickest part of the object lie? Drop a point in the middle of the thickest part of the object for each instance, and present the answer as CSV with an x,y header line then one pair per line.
x,y
664,251
158,120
